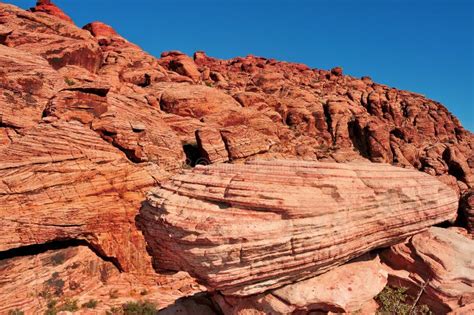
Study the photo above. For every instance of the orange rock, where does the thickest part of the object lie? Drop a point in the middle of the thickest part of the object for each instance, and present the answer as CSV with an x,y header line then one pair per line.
x,y
58,41
62,181
48,7
28,82
195,100
76,273
212,146
441,262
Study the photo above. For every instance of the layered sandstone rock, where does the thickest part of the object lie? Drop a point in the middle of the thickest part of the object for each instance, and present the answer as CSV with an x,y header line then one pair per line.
x,y
439,263
244,229
76,273
350,288
27,84
62,181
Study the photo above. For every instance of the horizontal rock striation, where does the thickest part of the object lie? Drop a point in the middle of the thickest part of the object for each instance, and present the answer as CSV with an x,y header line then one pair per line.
x,y
244,229
62,181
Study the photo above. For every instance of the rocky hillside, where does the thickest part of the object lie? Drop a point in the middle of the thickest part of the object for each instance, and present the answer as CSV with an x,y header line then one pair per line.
x,y
299,211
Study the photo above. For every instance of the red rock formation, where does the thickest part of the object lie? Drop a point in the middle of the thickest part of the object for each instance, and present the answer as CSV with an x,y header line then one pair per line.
x,y
76,273
62,181
438,262
346,289
27,83
244,229
54,39
89,122
46,6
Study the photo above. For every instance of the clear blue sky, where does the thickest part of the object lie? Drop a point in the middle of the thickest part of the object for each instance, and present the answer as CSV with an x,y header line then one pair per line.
x,y
425,47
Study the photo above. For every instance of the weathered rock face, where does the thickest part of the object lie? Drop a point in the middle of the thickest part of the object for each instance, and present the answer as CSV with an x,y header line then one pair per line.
x,y
29,283
27,83
62,181
345,289
324,113
58,41
440,262
244,229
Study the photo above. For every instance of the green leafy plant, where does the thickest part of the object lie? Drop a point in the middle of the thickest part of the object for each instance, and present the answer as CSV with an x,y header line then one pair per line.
x,y
393,300
69,81
139,308
69,305
90,304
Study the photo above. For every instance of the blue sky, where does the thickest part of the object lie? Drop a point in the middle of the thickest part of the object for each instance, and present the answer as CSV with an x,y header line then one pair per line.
x,y
421,46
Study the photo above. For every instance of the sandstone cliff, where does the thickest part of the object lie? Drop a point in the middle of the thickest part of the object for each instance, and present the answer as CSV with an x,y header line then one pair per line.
x,y
89,123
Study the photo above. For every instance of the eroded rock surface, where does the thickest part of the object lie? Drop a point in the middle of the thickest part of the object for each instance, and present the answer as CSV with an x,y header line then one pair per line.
x,y
244,229
350,288
440,263
29,283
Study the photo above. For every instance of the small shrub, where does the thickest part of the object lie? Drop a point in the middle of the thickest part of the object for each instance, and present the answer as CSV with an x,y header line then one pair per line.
x,y
54,284
139,308
51,308
90,304
394,301
16,311
69,305
69,81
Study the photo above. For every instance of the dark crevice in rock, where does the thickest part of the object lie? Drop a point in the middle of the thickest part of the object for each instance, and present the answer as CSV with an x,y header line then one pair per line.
x,y
90,90
358,138
194,155
4,37
35,249
226,145
146,81
328,118
110,138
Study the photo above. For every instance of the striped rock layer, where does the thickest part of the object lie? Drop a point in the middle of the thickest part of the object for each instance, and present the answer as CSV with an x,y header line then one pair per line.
x,y
243,229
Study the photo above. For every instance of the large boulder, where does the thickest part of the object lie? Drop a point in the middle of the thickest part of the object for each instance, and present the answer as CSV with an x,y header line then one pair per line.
x,y
244,229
